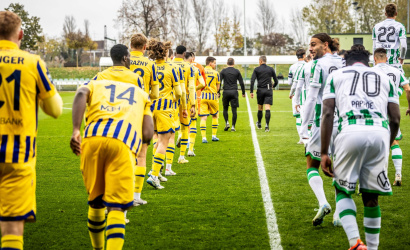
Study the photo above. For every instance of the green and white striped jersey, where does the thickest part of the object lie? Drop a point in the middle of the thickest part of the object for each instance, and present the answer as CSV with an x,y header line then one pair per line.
x,y
292,72
396,76
361,95
390,35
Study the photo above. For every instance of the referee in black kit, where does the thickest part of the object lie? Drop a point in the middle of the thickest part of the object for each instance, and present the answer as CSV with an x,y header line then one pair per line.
x,y
263,74
230,77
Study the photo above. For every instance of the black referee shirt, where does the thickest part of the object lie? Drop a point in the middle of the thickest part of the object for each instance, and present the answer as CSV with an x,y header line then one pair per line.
x,y
231,76
263,74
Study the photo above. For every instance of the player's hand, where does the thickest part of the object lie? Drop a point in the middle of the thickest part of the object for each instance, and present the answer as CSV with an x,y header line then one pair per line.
x,y
401,61
326,164
297,107
184,113
219,95
252,95
291,96
75,142
243,95
408,112
193,113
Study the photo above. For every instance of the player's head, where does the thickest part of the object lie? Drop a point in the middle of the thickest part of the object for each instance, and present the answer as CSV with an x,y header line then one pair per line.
x,y
380,56
193,56
170,53
188,57
357,55
262,60
342,53
181,50
10,27
120,55
335,45
158,50
211,61
320,44
391,10
139,41
230,62
308,57
357,47
300,54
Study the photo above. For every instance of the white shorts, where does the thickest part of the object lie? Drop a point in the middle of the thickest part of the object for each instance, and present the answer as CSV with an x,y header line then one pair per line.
x,y
399,136
313,145
295,113
362,153
332,140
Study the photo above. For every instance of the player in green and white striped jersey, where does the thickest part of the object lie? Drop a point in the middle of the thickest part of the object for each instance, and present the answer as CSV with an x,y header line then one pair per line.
x,y
391,35
369,113
400,81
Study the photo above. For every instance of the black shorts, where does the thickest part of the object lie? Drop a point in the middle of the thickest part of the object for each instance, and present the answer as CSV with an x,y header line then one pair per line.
x,y
264,96
230,96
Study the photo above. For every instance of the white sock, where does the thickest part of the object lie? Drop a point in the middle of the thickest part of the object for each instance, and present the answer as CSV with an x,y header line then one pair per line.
x,y
347,213
169,166
316,183
298,123
137,196
397,157
372,224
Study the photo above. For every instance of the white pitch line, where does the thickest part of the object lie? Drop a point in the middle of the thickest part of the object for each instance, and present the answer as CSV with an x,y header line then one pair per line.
x,y
279,111
273,231
66,108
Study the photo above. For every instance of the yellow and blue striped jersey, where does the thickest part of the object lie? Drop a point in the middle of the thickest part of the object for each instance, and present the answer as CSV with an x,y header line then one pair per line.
x,y
167,78
24,79
210,92
144,68
120,74
180,75
189,76
116,110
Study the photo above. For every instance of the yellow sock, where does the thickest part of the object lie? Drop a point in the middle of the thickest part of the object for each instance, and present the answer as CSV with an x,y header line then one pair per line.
x,y
184,140
203,128
96,226
139,178
115,230
158,160
214,125
170,153
155,141
12,242
192,135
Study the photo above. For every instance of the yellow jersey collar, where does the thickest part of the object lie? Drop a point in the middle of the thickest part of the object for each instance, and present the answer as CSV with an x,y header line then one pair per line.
x,y
178,59
137,53
160,61
118,68
208,67
8,44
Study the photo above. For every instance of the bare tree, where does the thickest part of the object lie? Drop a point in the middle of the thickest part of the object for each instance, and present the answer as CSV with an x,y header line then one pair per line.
x,y
182,25
236,14
299,30
166,12
87,27
218,15
69,25
201,16
267,16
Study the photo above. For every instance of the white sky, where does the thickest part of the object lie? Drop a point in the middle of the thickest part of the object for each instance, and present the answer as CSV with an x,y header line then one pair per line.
x,y
103,12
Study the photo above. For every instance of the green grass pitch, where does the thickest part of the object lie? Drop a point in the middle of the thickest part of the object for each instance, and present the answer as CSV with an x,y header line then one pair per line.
x,y
214,201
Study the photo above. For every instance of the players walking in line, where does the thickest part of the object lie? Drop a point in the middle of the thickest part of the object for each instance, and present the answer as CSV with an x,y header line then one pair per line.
x,y
163,106
321,46
118,119
400,82
293,82
26,84
367,102
147,70
391,35
200,84
263,75
209,100
231,76
188,100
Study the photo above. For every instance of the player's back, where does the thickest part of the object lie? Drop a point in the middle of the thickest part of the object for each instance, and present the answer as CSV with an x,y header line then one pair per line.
x,y
321,69
186,69
24,80
306,73
212,81
395,75
387,35
167,78
361,94
145,68
116,110
120,74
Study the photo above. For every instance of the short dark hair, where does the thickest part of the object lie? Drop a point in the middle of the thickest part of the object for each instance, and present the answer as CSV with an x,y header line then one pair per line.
x,y
117,52
391,10
180,49
342,52
380,53
300,53
230,61
262,58
193,54
210,59
357,54
188,55
357,46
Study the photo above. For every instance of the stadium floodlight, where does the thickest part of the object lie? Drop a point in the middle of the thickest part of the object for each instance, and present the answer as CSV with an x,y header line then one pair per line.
x,y
355,8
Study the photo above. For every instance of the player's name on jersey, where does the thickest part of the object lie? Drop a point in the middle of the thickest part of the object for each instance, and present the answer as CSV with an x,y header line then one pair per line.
x,y
386,46
109,108
12,121
361,104
160,67
139,63
12,59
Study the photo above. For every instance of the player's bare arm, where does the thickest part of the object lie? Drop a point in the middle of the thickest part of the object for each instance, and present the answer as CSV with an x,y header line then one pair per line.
x,y
79,105
393,111
147,129
326,133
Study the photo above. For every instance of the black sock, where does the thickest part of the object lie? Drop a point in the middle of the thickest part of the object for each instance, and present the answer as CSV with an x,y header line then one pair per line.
x,y
267,117
234,116
226,117
259,116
